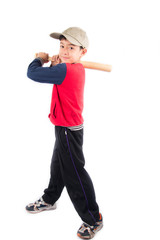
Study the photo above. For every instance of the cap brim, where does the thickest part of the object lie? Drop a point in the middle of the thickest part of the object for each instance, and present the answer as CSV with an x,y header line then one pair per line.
x,y
68,37
55,35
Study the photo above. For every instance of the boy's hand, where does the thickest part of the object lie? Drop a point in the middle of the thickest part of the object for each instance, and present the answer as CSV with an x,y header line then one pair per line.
x,y
55,60
44,56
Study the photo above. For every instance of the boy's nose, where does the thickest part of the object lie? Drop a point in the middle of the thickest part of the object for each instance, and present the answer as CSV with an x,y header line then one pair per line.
x,y
65,51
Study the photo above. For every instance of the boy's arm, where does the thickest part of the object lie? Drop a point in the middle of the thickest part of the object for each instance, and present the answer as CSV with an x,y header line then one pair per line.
x,y
54,75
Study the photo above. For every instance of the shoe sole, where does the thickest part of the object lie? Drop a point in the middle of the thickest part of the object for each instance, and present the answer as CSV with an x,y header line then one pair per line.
x,y
34,212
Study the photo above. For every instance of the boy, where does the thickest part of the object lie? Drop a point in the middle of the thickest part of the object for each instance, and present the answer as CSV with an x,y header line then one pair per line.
x,y
67,166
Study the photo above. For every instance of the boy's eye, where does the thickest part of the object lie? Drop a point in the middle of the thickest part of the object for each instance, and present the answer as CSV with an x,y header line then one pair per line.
x,y
71,48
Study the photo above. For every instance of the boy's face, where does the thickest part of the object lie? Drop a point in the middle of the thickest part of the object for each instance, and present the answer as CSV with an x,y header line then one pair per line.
x,y
70,53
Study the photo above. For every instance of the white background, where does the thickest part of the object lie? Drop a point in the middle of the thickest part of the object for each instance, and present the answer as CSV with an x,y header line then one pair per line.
x,y
122,117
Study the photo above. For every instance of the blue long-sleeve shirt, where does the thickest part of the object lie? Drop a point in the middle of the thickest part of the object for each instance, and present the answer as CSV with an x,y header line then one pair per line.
x,y
53,75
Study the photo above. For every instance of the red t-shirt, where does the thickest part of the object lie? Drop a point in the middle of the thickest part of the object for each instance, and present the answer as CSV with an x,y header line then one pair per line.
x,y
67,98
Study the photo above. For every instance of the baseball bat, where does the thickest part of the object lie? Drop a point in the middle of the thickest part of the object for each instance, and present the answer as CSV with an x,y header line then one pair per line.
x,y
92,65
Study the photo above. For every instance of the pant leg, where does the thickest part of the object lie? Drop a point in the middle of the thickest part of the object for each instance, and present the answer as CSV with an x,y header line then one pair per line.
x,y
76,179
56,184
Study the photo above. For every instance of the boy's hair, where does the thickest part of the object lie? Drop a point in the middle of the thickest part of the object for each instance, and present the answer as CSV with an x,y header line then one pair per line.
x,y
64,38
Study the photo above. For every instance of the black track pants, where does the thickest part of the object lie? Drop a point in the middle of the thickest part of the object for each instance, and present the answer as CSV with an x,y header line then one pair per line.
x,y
67,169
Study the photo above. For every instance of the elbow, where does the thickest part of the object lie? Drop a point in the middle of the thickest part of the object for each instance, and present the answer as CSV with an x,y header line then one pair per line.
x,y
30,75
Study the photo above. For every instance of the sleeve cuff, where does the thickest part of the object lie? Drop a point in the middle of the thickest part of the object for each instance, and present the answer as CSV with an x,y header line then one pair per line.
x,y
41,60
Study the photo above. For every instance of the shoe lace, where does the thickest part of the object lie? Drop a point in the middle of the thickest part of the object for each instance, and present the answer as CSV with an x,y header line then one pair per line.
x,y
39,202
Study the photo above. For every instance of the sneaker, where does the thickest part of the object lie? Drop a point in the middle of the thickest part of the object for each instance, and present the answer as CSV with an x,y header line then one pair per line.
x,y
87,232
39,206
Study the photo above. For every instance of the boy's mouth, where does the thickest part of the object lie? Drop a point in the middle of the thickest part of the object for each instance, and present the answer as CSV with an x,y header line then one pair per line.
x,y
65,58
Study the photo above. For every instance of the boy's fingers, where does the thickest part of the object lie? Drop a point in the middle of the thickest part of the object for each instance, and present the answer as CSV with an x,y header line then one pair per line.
x,y
54,57
55,60
58,59
43,55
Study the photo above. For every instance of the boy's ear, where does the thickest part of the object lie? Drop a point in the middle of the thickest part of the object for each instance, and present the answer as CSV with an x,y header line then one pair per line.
x,y
84,51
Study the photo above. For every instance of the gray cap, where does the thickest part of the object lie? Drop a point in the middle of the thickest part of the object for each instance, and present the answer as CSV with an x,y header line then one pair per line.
x,y
75,35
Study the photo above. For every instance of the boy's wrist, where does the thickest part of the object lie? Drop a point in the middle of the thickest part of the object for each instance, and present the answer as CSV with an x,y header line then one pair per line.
x,y
41,60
